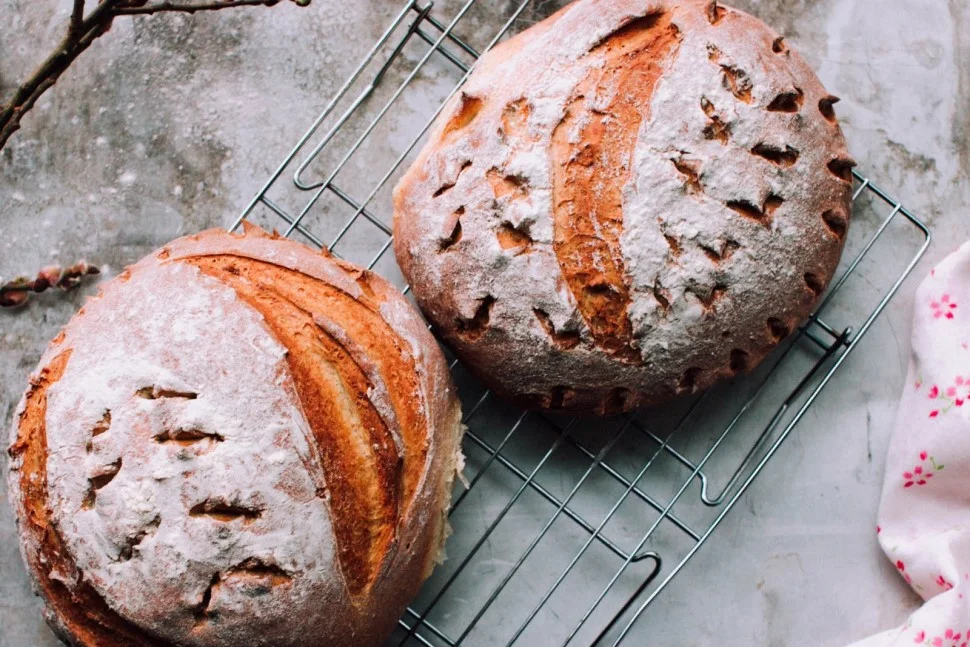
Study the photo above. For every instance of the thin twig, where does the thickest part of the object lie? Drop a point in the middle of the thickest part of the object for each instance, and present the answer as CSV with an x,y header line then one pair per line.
x,y
158,7
84,30
67,51
16,292
77,18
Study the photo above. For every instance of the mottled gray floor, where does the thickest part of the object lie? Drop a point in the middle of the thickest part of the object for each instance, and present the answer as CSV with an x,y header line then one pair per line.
x,y
169,124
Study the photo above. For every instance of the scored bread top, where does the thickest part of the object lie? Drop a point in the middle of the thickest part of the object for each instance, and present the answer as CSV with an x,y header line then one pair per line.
x,y
627,202
240,441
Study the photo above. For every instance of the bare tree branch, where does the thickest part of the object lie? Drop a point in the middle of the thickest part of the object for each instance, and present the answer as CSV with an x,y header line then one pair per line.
x,y
66,52
16,292
84,30
189,7
77,17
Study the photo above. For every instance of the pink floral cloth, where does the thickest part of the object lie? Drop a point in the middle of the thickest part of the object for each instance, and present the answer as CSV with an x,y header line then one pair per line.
x,y
924,514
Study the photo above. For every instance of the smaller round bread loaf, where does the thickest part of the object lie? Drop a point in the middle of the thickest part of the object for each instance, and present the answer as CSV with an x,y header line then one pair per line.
x,y
239,442
630,201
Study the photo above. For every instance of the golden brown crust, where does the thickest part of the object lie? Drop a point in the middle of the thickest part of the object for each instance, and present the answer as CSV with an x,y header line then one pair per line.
x,y
592,168
632,213
80,614
369,483
215,564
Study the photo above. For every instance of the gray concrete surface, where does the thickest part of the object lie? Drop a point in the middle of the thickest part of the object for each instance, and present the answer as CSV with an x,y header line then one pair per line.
x,y
169,125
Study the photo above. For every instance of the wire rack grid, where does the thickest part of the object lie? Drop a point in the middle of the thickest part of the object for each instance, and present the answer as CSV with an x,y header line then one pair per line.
x,y
567,529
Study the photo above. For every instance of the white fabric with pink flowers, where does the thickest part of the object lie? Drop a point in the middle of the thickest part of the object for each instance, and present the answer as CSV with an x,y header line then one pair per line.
x,y
924,514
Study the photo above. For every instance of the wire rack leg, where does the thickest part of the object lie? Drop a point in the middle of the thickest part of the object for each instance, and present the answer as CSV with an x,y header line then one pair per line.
x,y
488,532
542,533
589,542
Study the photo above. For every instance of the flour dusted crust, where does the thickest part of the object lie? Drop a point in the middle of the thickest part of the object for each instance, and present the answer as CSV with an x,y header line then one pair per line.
x,y
630,201
240,442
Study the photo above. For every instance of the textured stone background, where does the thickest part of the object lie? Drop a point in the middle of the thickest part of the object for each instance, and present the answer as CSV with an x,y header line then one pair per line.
x,y
169,124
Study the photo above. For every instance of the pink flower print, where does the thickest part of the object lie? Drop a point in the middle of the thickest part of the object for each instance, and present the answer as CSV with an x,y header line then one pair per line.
x,y
955,395
922,472
943,308
949,638
901,567
944,584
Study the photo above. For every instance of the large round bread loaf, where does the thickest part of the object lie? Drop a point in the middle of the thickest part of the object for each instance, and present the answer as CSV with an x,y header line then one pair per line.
x,y
629,201
240,442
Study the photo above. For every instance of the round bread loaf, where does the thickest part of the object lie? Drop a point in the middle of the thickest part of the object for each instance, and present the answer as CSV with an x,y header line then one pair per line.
x,y
629,201
239,442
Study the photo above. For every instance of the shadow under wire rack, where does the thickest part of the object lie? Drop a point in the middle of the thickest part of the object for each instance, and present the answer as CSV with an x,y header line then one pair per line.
x,y
567,529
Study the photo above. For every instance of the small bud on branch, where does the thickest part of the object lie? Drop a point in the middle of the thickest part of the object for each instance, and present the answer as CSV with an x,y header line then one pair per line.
x,y
16,291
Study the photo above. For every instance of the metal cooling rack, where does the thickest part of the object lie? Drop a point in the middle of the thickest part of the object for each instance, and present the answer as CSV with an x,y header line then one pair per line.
x,y
568,529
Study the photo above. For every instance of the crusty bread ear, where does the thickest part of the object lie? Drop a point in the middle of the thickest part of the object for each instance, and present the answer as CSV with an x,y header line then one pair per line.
x,y
240,442
250,229
626,203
